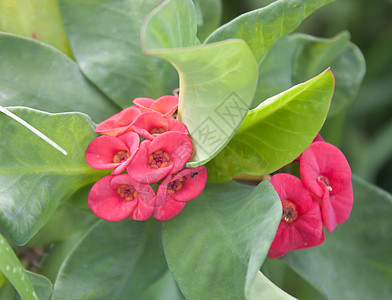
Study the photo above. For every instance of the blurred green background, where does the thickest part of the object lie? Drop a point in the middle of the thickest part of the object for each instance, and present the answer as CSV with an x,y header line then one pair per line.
x,y
364,131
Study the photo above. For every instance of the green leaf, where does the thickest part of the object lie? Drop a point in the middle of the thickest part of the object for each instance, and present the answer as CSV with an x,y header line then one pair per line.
x,y
39,19
355,259
39,76
42,285
65,221
34,177
11,267
113,261
104,37
277,131
217,81
295,58
261,28
164,289
216,245
209,14
263,288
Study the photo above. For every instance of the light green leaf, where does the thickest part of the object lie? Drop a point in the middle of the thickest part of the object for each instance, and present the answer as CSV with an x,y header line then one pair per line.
x,y
113,261
104,37
34,177
216,245
209,14
11,267
277,131
355,259
36,75
39,19
263,288
42,285
261,28
217,81
295,58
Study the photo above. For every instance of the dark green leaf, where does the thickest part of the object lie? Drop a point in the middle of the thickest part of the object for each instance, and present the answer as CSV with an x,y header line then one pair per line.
x,y
277,131
42,285
104,37
34,177
113,261
298,57
261,28
217,244
355,260
36,75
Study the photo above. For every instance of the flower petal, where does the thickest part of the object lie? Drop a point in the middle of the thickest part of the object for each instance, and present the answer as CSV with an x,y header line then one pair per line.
x,y
195,180
119,123
106,204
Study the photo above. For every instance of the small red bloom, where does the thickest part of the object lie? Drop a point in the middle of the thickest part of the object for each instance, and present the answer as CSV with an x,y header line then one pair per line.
x,y
108,152
114,198
301,225
176,190
166,105
166,154
151,124
326,173
119,123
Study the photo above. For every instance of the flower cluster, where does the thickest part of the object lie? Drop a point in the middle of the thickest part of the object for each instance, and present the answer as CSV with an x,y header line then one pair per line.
x,y
324,197
143,144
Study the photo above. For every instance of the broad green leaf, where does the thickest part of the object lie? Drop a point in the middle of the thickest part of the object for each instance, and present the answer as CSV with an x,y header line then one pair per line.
x,y
355,260
217,81
65,221
34,177
217,244
209,16
263,288
39,19
11,267
42,285
36,75
295,58
261,28
164,289
113,261
171,25
104,37
277,131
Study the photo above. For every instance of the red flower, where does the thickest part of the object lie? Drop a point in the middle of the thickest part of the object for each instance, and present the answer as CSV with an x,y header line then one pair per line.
x,y
119,123
301,224
151,124
176,190
166,154
327,174
166,105
108,152
114,198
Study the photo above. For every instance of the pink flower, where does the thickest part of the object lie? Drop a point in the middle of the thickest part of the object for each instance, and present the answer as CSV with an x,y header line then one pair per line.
x,y
119,123
114,198
301,225
327,174
176,190
166,154
108,152
150,124
166,105
318,138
